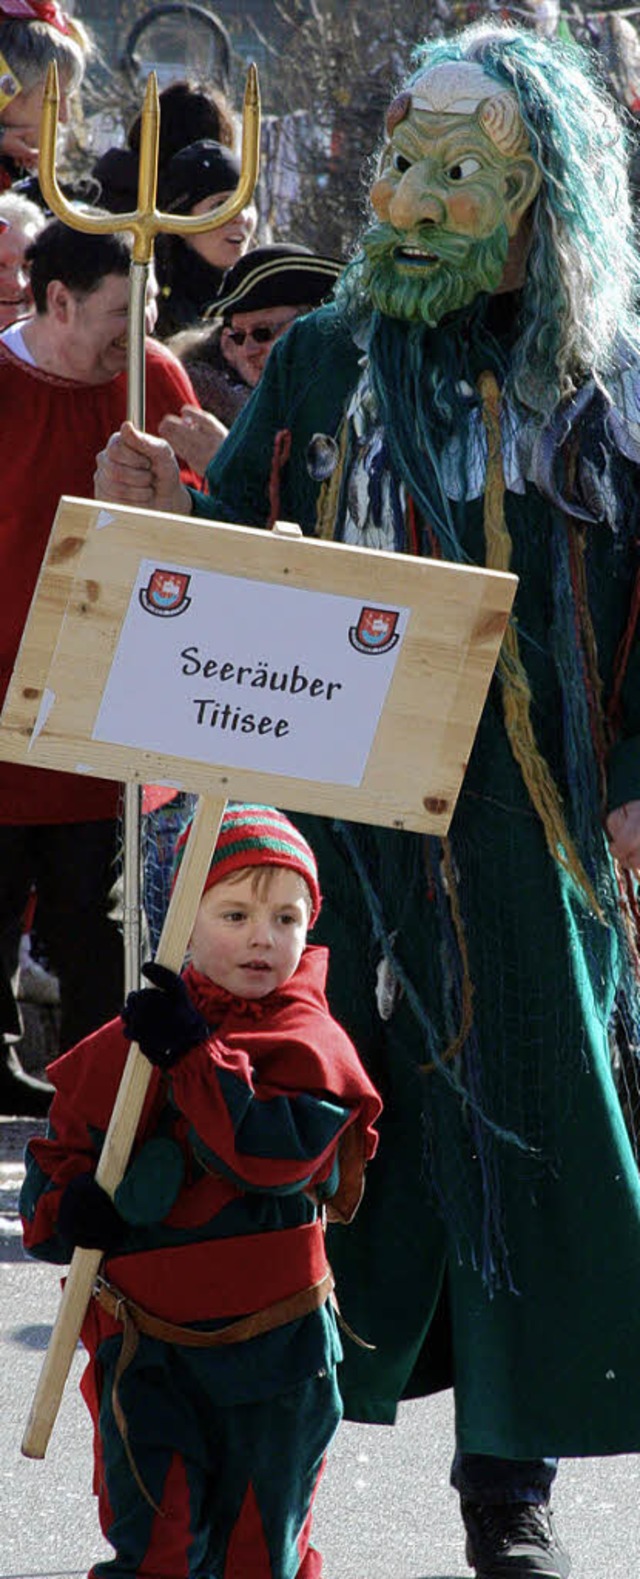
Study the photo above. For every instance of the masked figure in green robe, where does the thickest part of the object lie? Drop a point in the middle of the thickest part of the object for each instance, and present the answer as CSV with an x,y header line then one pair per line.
x,y
473,393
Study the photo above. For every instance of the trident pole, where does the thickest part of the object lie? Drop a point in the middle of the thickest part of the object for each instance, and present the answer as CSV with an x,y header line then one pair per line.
x,y
145,224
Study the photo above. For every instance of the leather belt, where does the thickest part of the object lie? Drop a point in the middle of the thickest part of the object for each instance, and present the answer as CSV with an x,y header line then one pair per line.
x,y
266,1320
136,1320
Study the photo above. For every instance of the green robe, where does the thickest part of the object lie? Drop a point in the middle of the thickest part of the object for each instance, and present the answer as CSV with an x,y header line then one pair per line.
x,y
509,1267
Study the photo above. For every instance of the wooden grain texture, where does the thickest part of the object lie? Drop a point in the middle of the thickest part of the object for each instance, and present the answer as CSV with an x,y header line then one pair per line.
x,y
418,758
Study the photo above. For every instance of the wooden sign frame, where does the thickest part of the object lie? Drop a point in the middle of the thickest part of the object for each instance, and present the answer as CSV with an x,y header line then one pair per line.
x,y
411,777
418,757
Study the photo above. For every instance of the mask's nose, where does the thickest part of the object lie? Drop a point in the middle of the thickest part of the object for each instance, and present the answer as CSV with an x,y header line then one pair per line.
x,y
414,201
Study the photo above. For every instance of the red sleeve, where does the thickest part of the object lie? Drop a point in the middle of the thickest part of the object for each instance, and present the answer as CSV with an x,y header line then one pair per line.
x,y
86,1081
270,1102
261,1137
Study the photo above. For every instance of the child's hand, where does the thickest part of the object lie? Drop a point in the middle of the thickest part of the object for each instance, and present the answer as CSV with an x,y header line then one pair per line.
x,y
162,1019
87,1215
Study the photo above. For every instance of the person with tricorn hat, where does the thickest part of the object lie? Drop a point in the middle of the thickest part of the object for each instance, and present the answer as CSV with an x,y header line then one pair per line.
x,y
279,282
473,395
258,299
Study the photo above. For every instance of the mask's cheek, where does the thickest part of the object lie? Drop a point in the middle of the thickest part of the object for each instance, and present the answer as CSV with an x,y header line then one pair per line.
x,y
381,194
477,207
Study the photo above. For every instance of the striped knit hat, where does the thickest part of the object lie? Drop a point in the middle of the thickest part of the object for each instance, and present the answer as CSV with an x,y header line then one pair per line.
x,y
252,835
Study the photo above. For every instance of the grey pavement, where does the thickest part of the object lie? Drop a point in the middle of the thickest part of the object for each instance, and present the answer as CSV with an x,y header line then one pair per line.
x,y
385,1510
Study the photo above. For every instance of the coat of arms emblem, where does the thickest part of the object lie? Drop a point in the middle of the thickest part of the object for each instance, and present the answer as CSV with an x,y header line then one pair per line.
x,y
375,631
165,593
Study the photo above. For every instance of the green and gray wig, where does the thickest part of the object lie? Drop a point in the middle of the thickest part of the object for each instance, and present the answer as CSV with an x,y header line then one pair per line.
x,y
579,300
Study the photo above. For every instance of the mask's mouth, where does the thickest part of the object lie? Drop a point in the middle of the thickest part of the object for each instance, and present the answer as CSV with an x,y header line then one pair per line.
x,y
415,257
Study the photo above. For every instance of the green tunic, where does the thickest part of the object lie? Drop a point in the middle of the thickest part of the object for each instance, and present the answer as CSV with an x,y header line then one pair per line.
x,y
508,1266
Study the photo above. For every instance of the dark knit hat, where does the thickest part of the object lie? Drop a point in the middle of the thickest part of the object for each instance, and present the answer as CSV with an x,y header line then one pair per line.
x,y
281,275
201,170
254,835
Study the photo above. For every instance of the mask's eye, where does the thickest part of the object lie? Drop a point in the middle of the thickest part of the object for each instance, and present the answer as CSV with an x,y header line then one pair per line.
x,y
463,169
400,163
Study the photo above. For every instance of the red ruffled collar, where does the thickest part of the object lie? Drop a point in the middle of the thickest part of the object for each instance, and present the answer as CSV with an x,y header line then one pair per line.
x,y
214,1002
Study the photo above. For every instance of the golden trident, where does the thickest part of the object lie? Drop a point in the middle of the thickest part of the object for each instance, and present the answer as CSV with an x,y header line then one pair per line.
x,y
145,224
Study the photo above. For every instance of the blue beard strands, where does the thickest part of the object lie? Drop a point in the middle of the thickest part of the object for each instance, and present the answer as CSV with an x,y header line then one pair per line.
x,y
398,359
424,383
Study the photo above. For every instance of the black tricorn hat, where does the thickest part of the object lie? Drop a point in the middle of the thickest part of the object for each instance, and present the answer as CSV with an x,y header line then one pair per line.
x,y
281,275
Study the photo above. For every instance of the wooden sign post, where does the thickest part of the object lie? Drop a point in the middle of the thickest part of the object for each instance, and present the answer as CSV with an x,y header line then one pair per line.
x,y
236,662
121,1133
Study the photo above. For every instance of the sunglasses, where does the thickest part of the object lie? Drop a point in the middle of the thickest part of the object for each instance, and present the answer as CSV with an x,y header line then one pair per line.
x,y
261,335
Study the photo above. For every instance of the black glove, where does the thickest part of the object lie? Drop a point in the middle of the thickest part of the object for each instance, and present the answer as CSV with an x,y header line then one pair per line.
x,y
87,1215
162,1019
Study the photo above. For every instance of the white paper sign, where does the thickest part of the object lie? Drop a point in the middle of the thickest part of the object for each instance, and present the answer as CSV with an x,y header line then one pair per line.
x,y
249,674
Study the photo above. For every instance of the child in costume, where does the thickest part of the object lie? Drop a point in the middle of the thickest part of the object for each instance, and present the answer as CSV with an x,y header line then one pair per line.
x,y
212,1339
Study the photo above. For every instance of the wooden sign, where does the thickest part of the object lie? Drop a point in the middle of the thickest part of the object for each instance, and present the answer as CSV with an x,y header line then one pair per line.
x,y
240,663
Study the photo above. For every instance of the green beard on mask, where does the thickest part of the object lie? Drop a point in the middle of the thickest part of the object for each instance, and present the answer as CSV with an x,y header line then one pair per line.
x,y
430,294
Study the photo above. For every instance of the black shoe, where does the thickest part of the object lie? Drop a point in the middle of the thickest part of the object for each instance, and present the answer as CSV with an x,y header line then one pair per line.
x,y
21,1095
513,1540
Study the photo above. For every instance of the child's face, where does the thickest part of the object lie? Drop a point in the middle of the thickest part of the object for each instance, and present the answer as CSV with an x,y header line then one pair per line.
x,y
251,941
